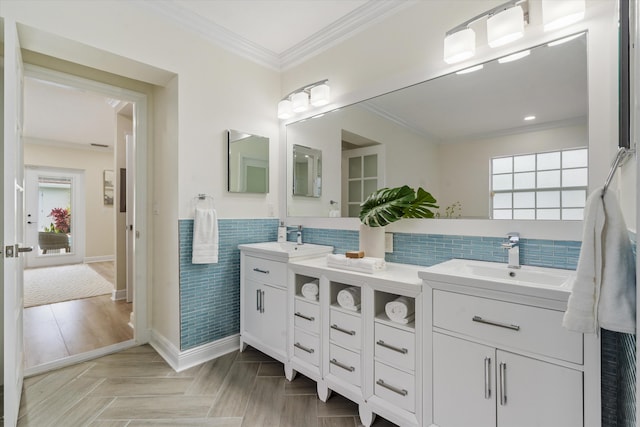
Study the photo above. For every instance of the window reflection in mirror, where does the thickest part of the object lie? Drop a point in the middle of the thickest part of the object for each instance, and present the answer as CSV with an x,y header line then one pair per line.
x,y
442,134
248,170
307,171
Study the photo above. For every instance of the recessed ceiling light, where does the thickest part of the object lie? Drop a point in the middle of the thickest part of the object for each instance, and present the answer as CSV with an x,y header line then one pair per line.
x,y
514,57
529,118
470,69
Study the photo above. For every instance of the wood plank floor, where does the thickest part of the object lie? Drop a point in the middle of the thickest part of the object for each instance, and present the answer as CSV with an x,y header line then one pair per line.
x,y
55,331
137,388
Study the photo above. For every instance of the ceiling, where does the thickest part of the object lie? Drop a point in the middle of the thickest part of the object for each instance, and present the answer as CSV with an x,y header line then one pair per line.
x,y
251,28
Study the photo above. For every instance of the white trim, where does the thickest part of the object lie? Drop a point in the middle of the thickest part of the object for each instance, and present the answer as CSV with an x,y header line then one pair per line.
x,y
359,19
99,258
181,360
119,294
78,358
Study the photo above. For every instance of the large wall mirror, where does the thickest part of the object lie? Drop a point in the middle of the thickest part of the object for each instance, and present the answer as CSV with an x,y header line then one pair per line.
x,y
445,135
248,170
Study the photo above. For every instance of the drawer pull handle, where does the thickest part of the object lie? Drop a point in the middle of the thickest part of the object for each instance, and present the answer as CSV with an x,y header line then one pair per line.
x,y
401,392
342,365
303,348
344,331
391,347
494,323
487,378
503,384
302,316
257,270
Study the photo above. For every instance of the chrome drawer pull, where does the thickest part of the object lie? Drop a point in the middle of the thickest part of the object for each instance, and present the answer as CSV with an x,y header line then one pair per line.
x,y
342,365
344,331
257,270
503,384
401,392
493,323
310,319
391,347
303,348
487,378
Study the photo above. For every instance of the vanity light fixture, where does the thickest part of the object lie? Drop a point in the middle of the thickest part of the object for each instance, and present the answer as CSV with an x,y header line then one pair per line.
x,y
529,118
514,57
505,24
316,94
561,13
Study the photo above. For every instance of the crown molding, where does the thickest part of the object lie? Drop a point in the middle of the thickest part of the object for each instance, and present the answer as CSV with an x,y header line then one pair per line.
x,y
352,23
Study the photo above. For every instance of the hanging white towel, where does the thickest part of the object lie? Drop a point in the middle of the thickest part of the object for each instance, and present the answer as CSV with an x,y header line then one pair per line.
x,y
603,293
205,236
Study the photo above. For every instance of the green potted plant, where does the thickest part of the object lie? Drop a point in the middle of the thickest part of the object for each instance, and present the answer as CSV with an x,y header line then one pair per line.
x,y
56,236
388,205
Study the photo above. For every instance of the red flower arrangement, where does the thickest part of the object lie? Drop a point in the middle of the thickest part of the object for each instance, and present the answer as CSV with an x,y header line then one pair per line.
x,y
61,220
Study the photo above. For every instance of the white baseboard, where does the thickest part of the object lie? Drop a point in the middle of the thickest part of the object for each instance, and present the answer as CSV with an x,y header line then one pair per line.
x,y
101,258
118,294
181,360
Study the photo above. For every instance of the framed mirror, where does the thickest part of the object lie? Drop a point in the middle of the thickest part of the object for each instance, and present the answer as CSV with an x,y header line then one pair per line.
x,y
248,166
307,171
444,134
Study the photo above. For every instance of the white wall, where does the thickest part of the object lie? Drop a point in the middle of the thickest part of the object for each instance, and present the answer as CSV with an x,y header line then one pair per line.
x,y
100,219
407,48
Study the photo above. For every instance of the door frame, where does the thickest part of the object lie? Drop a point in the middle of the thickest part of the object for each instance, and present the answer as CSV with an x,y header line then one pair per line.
x,y
78,216
141,224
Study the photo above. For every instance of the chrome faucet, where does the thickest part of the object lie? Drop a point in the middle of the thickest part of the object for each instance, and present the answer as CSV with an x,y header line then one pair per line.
x,y
298,232
513,246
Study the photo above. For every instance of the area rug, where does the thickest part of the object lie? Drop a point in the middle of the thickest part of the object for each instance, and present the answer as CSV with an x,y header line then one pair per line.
x,y
48,285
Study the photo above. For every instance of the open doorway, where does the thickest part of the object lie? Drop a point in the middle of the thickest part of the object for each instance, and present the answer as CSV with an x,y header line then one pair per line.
x,y
75,147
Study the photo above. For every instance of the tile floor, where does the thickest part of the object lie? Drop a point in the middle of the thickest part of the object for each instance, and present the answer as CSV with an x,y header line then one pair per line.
x,y
137,388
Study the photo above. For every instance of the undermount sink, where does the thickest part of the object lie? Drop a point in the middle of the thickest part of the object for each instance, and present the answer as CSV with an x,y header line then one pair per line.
x,y
495,275
287,250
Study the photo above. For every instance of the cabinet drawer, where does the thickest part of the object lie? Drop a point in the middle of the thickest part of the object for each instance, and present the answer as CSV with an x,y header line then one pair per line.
x,y
395,386
265,271
345,329
395,346
307,316
306,347
345,364
507,324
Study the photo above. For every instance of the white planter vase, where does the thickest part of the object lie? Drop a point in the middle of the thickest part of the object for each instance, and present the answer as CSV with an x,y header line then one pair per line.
x,y
372,241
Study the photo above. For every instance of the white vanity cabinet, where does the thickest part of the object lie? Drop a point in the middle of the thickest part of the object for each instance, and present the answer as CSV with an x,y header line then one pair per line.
x,y
263,312
506,363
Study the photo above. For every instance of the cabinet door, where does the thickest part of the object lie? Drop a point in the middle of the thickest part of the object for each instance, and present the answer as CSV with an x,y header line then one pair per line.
x,y
274,317
463,383
537,393
251,316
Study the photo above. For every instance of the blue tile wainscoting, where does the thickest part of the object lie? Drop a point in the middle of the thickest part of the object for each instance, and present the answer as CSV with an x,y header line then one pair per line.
x,y
210,293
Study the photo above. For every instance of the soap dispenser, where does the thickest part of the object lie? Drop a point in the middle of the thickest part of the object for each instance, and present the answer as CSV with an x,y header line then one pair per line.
x,y
282,232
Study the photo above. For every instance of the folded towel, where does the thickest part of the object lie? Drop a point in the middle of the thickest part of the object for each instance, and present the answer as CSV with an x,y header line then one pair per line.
x,y
205,237
603,292
349,297
400,309
364,265
406,320
310,290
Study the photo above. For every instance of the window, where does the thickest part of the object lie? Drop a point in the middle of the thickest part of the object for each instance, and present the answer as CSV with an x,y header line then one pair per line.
x,y
543,186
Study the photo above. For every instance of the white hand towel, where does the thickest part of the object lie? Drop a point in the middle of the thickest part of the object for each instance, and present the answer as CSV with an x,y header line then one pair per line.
x,y
205,237
365,265
603,293
400,309
349,297
310,290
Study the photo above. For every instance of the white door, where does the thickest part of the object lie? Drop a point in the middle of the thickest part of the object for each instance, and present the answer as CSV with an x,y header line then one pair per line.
x,y
13,226
130,202
537,393
464,387
362,174
48,194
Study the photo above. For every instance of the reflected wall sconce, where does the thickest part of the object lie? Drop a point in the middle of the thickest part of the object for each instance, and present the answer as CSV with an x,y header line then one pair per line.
x,y
316,94
505,24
